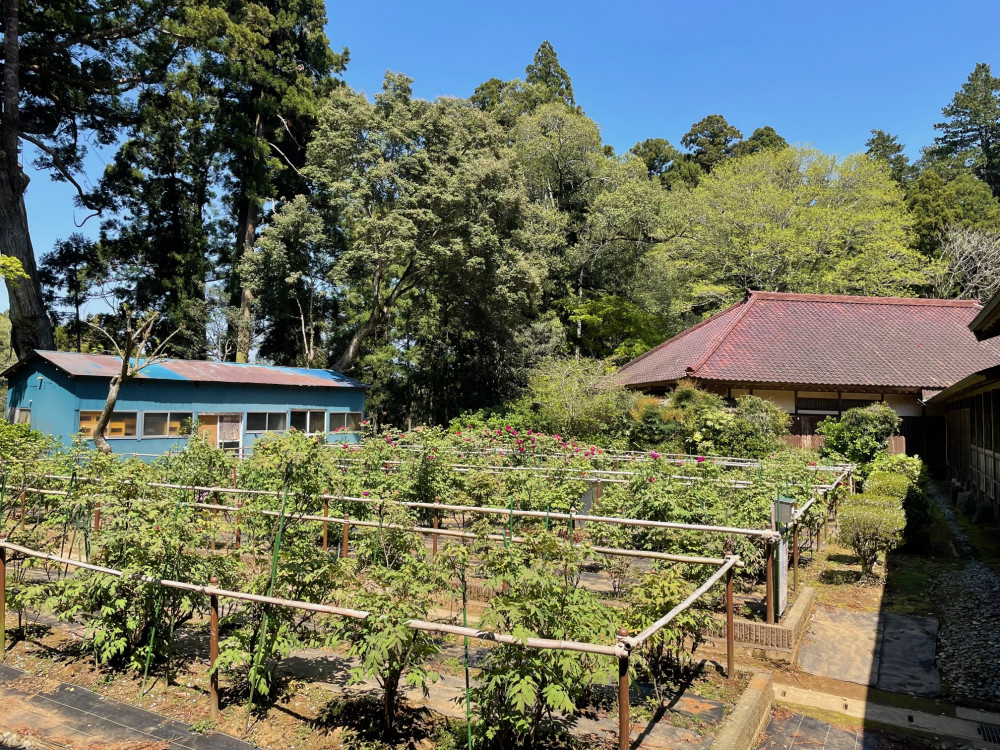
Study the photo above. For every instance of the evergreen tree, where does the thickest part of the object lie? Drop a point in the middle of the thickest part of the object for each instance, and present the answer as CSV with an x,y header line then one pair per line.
x,y
885,147
759,140
971,130
710,140
71,275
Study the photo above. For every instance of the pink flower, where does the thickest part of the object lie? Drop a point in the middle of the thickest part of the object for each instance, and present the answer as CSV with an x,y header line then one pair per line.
x,y
364,494
701,459
812,463
652,479
520,448
654,454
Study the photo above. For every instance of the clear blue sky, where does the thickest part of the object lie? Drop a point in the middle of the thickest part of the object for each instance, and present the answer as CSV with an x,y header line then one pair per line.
x,y
824,73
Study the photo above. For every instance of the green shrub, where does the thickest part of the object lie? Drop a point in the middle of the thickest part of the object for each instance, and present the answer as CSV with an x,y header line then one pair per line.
x,y
870,530
886,483
860,434
757,428
870,499
898,463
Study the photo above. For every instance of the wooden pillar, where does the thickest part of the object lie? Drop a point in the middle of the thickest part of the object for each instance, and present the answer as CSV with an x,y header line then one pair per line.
x,y
730,635
597,494
239,519
97,515
20,521
624,720
344,552
213,653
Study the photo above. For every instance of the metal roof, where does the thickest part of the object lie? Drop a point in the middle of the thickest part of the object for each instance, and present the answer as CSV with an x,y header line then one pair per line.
x,y
819,339
106,366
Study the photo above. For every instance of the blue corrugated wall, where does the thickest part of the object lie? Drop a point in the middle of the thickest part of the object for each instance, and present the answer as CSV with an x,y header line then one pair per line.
x,y
56,400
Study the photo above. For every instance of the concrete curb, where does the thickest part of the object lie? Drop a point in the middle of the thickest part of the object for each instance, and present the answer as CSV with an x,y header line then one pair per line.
x,y
749,717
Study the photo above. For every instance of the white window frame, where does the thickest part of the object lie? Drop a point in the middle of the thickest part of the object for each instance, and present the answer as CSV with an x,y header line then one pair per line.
x,y
267,422
341,417
309,426
142,431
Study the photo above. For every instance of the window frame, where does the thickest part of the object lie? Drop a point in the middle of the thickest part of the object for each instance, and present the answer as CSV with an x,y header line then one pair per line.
x,y
134,436
169,414
309,412
18,411
267,422
342,416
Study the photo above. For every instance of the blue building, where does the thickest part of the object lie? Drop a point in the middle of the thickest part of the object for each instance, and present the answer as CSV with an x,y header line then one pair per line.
x,y
63,393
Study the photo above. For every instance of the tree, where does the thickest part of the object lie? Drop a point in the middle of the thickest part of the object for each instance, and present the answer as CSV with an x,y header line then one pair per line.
x,y
710,140
885,147
424,194
66,67
547,81
939,199
137,351
75,269
972,263
759,140
971,129
793,220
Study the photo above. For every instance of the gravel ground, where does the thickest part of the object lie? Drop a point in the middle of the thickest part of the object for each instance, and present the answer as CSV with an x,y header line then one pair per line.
x,y
968,646
11,741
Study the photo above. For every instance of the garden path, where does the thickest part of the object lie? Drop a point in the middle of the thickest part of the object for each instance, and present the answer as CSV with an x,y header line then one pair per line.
x,y
55,714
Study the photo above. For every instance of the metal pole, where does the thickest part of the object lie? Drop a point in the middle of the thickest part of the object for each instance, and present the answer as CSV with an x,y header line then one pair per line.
x,y
213,653
3,603
624,721
346,518
795,558
769,573
434,538
730,636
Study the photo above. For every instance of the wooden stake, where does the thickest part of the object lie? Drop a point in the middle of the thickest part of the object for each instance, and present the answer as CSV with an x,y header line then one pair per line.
x,y
624,721
730,635
213,652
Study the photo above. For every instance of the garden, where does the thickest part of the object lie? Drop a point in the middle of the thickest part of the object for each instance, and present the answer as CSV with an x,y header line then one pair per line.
x,y
554,578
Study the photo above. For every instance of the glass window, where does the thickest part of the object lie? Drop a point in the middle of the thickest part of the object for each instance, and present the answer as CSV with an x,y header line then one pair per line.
x,y
123,424
88,421
154,424
336,421
178,420
265,421
309,422
22,416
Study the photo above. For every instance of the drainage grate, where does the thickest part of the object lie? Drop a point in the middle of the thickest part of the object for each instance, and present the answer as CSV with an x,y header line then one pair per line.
x,y
989,733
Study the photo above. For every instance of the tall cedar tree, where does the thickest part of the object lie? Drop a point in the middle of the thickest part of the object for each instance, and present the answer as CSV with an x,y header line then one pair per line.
x,y
66,65
972,127
273,67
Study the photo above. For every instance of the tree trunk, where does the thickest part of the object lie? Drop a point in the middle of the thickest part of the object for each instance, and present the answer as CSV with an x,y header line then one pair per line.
x,y
30,326
100,441
247,217
391,690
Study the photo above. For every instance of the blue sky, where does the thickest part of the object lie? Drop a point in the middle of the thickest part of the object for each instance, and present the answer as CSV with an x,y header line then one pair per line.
x,y
823,73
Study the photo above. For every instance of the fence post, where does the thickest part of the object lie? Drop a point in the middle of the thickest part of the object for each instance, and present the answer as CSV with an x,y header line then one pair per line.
x,y
346,518
597,494
3,603
20,522
326,512
213,653
624,721
730,635
769,573
434,538
239,519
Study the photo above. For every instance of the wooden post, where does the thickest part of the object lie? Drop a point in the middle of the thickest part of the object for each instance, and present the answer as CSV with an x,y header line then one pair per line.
x,y
20,523
345,535
769,572
213,652
434,537
326,512
97,515
624,721
3,603
730,635
597,494
239,519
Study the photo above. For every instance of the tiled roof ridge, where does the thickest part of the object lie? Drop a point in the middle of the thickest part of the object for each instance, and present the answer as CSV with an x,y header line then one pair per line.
x,y
862,300
686,332
723,335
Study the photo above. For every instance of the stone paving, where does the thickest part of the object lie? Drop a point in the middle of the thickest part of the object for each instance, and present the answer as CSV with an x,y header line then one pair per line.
x,y
968,646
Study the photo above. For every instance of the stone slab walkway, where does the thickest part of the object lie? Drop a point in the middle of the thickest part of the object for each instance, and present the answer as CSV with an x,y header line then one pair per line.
x,y
889,651
798,731
77,718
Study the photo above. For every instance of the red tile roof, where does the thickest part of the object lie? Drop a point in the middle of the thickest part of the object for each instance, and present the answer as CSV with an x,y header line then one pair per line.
x,y
823,339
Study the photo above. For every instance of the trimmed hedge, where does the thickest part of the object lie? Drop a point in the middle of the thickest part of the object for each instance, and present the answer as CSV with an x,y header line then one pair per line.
x,y
888,483
916,504
871,530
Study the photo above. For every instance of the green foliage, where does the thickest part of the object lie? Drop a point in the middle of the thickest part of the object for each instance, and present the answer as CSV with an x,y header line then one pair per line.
x,y
885,147
916,505
388,650
888,484
899,463
860,434
519,686
870,529
665,658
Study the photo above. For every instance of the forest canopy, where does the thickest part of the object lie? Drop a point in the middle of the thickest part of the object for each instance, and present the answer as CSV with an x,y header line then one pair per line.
x,y
439,250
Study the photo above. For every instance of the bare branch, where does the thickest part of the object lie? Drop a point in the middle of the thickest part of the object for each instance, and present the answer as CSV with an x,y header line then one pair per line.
x,y
63,169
